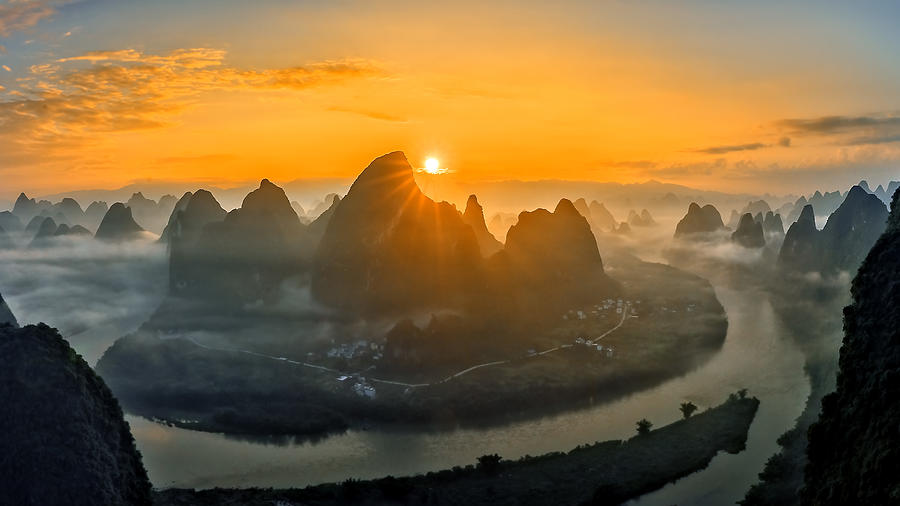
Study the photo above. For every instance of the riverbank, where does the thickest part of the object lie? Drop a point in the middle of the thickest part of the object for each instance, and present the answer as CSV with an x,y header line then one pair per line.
x,y
608,472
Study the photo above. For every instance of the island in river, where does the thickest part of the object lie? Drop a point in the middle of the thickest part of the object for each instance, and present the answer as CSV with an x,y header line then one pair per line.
x,y
609,472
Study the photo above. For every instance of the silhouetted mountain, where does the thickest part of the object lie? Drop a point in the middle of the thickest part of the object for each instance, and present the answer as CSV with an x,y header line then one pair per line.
x,y
10,222
553,257
64,433
191,213
601,218
623,229
301,213
71,210
800,243
852,230
26,208
757,206
118,224
474,217
94,214
6,316
149,214
243,257
322,206
699,221
733,220
34,224
749,233
44,233
854,448
640,220
318,226
388,247
582,207
74,230
181,205
883,194
772,224
827,203
842,243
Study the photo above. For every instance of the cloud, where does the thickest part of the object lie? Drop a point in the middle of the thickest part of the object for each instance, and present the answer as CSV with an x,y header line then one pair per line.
x,y
720,150
873,139
784,142
18,15
75,99
837,124
80,284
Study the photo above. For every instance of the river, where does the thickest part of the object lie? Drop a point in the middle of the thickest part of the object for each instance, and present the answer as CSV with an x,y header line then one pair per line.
x,y
757,354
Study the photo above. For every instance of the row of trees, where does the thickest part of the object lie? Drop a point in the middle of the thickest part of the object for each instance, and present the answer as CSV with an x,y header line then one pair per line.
x,y
687,409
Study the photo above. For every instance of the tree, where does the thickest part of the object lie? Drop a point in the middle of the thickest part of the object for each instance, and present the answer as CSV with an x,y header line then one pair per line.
x,y
687,409
490,464
742,393
643,426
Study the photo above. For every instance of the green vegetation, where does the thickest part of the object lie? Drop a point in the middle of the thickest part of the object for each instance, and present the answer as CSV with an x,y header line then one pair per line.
x,y
643,426
687,408
608,472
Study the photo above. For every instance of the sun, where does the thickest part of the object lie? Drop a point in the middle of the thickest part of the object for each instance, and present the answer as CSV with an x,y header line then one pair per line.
x,y
433,166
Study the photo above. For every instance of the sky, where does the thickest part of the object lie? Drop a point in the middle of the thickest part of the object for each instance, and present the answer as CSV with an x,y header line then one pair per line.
x,y
760,96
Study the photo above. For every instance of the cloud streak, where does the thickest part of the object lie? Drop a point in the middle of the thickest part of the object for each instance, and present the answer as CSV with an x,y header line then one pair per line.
x,y
719,150
837,124
73,99
784,142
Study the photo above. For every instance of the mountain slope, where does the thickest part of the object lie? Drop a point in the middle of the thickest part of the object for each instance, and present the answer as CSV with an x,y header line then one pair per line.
x,y
854,448
6,316
388,247
118,224
474,217
64,437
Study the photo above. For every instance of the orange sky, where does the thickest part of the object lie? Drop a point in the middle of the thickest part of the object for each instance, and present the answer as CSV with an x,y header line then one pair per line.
x,y
100,94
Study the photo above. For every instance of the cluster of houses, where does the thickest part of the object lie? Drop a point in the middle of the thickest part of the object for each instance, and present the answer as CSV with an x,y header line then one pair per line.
x,y
360,386
607,350
357,348
600,310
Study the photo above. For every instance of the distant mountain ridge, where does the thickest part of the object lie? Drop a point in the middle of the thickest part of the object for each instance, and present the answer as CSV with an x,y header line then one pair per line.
x,y
842,244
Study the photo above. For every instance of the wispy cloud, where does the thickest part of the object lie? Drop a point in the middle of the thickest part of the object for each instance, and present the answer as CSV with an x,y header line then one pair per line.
x,y
719,150
18,15
837,124
74,98
784,142
881,128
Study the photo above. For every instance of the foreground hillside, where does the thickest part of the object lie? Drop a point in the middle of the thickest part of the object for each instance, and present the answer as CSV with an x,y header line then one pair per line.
x,y
64,438
854,448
